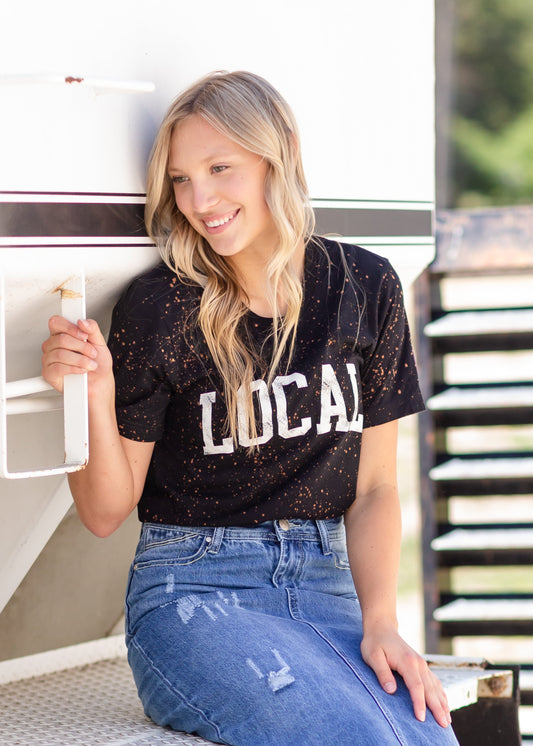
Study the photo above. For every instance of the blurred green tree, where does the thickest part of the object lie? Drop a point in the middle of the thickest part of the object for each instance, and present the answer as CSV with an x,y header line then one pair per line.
x,y
492,127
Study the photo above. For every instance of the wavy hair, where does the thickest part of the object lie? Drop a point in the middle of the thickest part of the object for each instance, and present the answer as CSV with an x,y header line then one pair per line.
x,y
247,109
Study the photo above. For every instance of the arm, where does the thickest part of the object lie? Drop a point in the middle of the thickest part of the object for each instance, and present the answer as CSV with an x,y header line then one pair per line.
x,y
373,531
110,486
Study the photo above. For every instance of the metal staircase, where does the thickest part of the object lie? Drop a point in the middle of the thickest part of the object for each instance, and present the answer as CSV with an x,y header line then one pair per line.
x,y
475,353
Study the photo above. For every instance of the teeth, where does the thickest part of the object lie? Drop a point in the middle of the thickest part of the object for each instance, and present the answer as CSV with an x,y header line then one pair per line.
x,y
216,223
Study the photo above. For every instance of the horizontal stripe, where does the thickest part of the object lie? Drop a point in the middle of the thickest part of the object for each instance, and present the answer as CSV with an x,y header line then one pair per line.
x,y
82,243
98,219
374,204
62,219
73,197
381,222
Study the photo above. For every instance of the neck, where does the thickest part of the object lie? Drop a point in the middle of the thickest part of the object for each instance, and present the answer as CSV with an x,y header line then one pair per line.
x,y
252,279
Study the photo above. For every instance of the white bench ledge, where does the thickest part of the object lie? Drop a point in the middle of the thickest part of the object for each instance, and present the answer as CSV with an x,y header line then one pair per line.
x,y
62,659
465,680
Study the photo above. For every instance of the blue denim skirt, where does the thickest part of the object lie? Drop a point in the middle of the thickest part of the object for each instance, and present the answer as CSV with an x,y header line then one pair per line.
x,y
251,637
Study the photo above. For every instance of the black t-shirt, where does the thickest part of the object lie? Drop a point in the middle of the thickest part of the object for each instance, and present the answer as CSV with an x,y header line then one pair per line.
x,y
352,367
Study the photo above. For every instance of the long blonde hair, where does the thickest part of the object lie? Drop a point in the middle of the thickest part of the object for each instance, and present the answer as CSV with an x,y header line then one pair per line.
x,y
247,109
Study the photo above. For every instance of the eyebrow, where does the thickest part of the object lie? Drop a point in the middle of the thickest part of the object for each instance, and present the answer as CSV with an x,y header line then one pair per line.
x,y
215,155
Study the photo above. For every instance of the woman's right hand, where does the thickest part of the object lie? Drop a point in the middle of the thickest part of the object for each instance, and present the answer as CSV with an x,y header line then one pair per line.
x,y
74,349
110,485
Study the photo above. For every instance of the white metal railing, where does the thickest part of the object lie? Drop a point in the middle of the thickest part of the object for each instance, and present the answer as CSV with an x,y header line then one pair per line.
x,y
26,395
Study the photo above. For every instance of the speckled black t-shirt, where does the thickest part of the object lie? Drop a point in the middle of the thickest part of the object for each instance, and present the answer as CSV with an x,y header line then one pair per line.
x,y
352,367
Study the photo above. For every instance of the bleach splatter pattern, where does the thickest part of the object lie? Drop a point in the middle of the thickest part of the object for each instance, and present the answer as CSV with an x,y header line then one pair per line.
x,y
353,367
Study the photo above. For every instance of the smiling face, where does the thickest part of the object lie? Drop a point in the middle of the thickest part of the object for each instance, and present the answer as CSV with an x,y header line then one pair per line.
x,y
219,187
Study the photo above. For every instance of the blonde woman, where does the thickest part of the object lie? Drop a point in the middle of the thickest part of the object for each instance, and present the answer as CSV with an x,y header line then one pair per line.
x,y
247,406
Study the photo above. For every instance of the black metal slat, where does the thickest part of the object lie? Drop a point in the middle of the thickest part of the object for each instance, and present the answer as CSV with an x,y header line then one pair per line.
x,y
464,556
491,484
485,557
444,528
465,248
484,487
447,598
506,342
488,626
483,417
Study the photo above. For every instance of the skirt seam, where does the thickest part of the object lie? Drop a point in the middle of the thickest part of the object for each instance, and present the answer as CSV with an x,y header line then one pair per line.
x,y
177,692
294,612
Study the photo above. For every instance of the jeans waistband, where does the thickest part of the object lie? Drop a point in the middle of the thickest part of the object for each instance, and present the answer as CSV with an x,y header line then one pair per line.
x,y
298,529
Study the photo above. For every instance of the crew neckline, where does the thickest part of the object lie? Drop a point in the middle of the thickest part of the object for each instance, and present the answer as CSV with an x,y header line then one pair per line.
x,y
309,280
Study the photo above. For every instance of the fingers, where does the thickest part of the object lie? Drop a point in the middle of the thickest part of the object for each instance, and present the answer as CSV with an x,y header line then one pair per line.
x,y
425,690
393,654
378,662
91,328
413,681
437,701
70,349
61,325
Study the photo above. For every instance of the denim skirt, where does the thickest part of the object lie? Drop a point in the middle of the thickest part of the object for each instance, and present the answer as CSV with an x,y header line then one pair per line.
x,y
251,637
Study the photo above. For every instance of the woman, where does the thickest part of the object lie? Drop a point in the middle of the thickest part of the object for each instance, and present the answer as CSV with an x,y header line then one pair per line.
x,y
259,375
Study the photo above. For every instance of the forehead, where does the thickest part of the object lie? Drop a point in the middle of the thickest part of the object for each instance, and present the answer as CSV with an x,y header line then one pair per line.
x,y
194,139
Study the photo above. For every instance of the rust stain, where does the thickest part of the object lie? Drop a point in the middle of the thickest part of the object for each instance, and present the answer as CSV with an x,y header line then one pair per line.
x,y
66,292
497,684
71,79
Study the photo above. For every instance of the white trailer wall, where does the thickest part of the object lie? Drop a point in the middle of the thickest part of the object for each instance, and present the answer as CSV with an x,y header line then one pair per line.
x,y
360,78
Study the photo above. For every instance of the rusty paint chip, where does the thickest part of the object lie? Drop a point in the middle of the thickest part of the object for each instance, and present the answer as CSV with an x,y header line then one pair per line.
x,y
66,292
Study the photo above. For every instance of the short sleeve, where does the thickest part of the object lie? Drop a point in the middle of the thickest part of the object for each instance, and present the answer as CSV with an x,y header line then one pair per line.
x,y
139,345
390,387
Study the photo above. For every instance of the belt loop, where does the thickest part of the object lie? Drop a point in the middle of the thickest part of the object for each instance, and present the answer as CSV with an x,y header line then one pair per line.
x,y
324,537
216,539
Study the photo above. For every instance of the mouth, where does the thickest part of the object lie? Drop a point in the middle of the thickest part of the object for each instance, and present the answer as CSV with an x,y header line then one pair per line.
x,y
218,224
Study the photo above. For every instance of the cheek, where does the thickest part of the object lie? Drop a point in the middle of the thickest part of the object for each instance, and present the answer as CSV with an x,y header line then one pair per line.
x,y
257,194
181,203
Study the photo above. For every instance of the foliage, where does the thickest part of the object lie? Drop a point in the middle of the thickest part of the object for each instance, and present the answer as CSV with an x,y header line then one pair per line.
x,y
500,163
493,118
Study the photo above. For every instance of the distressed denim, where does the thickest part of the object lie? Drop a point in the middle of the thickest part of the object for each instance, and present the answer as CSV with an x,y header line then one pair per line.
x,y
251,637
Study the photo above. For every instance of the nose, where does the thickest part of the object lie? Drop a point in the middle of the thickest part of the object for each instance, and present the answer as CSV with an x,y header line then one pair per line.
x,y
204,196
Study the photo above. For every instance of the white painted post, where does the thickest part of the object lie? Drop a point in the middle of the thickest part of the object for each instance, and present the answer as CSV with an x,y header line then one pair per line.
x,y
75,417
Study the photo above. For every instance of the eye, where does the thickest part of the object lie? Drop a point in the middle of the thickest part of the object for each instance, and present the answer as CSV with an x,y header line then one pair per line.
x,y
178,179
218,169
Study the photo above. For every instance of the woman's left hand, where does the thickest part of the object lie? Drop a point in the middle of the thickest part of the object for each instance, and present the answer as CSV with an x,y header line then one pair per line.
x,y
385,651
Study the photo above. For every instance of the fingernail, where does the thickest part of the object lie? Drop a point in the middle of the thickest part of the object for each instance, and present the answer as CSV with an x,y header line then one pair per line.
x,y
92,365
389,687
84,323
421,716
